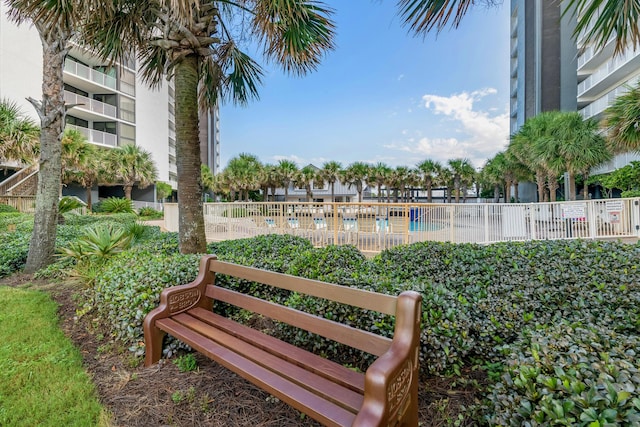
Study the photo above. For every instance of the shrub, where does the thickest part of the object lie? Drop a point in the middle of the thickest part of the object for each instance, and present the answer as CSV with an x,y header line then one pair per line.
x,y
129,286
13,252
114,205
569,375
150,213
7,209
67,204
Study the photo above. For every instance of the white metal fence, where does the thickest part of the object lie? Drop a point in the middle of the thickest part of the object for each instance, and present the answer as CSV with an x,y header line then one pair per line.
x,y
376,226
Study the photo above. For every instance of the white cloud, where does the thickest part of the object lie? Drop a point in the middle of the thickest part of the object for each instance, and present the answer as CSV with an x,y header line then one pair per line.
x,y
400,77
478,134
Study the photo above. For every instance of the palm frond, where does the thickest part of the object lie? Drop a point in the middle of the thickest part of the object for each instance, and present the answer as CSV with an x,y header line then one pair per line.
x,y
600,20
295,33
243,74
422,16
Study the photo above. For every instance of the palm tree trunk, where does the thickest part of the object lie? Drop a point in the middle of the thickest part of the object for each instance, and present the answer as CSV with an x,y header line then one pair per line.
x,y
552,182
585,188
507,193
429,193
89,201
540,180
190,215
51,112
127,191
333,198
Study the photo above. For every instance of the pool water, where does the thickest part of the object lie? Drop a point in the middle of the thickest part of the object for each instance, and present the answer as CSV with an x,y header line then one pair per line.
x,y
423,226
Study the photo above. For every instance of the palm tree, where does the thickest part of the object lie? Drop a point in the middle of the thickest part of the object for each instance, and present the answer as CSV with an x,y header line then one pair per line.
x,y
305,178
287,172
463,172
622,120
356,174
55,22
196,43
581,147
521,148
243,174
18,134
82,162
378,176
493,174
400,179
330,173
429,170
131,165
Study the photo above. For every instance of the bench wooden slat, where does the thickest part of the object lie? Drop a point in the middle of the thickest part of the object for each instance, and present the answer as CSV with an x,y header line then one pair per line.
x,y
311,362
313,382
315,406
356,297
353,337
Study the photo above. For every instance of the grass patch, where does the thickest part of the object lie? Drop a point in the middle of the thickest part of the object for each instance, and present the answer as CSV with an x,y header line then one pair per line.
x,y
42,381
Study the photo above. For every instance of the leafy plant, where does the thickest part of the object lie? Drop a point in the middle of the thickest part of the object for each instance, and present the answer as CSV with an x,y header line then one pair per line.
x,y
68,204
150,213
115,205
186,363
7,209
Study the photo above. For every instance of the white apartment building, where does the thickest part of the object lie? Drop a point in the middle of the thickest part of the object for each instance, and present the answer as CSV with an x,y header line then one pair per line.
x,y
117,108
550,70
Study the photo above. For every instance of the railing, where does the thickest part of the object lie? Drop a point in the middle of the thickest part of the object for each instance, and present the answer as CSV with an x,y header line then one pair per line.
x,y
90,104
96,136
16,178
26,204
373,227
88,73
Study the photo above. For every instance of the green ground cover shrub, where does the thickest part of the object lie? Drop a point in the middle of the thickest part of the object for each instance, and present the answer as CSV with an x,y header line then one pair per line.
x,y
7,209
150,213
114,205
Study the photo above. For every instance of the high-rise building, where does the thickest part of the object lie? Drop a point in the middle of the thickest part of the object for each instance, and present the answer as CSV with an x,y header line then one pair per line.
x,y
552,70
114,106
543,60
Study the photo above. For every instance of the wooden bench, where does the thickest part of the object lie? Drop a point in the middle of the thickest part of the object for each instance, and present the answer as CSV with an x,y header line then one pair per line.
x,y
386,395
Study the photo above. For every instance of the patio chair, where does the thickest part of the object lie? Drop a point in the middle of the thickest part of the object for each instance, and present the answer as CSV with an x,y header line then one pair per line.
x,y
350,227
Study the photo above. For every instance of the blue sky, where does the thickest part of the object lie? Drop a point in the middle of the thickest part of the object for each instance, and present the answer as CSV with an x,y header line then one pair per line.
x,y
384,95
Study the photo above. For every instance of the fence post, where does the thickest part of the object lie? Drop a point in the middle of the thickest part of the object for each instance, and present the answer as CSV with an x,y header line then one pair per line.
x,y
452,216
532,220
486,223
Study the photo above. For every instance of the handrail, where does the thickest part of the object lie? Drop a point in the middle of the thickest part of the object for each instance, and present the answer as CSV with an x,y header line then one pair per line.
x,y
22,174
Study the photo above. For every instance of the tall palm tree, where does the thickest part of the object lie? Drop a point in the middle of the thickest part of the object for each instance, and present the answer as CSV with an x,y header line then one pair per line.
x,y
82,162
287,172
493,174
131,165
581,146
622,120
356,174
18,134
56,22
378,176
243,174
330,173
197,44
428,170
521,148
463,172
400,179
305,178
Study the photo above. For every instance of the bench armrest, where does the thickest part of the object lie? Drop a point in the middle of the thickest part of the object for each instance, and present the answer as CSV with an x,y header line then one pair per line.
x,y
174,300
391,382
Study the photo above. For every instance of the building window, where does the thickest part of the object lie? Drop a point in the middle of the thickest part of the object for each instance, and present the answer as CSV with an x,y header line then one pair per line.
x,y
127,109
108,127
70,120
127,134
107,98
128,82
75,90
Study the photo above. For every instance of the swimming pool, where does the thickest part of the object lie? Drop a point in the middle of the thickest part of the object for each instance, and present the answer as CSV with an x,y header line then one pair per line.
x,y
415,226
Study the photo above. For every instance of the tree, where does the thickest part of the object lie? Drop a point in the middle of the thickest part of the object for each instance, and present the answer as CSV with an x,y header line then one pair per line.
x,y
243,174
622,120
463,173
581,146
356,174
305,178
164,190
18,134
330,173
287,172
131,165
55,22
521,148
425,15
429,170
493,175
194,42
82,162
379,175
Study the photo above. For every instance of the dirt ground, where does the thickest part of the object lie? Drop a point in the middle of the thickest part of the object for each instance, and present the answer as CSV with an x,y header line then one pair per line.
x,y
210,396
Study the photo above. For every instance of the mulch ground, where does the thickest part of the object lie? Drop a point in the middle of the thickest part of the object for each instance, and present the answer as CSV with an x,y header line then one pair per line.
x,y
210,396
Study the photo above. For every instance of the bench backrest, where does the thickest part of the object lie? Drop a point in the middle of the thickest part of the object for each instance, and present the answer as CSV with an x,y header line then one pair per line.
x,y
353,337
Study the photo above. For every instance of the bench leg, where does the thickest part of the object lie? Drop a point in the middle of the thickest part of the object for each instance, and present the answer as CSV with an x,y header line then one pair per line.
x,y
153,344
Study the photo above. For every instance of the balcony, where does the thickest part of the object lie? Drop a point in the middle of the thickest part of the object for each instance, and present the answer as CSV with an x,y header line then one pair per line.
x,y
602,103
610,73
79,70
96,136
90,105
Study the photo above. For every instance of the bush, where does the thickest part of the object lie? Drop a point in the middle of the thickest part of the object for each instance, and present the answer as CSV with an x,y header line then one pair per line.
x,y
569,375
150,213
7,209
